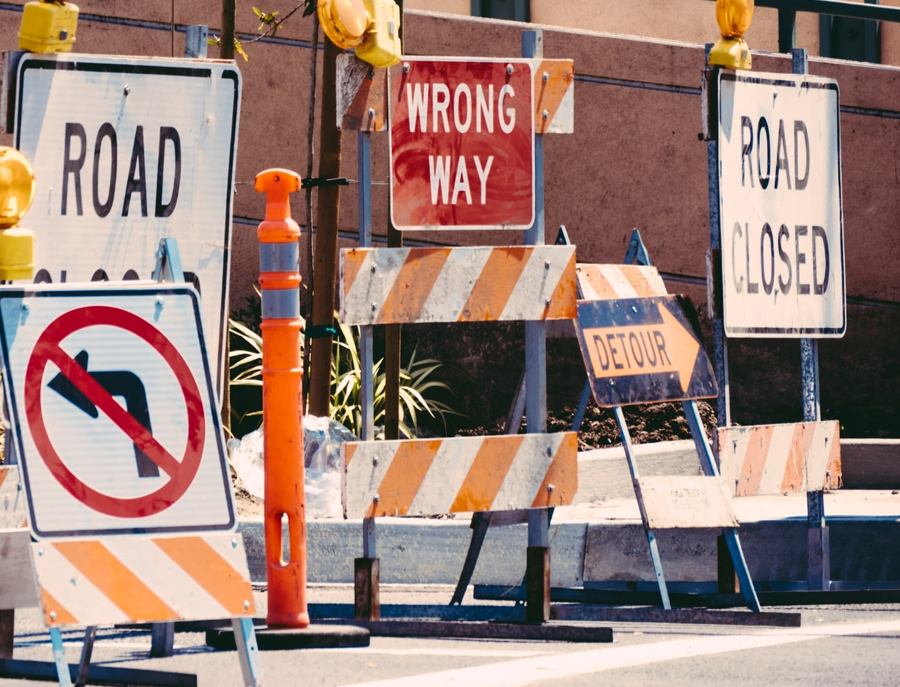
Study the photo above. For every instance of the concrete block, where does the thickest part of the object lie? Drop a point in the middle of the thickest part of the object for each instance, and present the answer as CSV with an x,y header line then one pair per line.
x,y
871,463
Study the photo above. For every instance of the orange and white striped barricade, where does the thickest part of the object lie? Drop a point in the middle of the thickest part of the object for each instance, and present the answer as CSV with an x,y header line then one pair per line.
x,y
410,285
115,426
788,458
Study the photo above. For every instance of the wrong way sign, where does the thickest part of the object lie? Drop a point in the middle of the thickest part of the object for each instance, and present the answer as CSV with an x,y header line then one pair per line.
x,y
127,151
780,205
643,350
113,411
462,144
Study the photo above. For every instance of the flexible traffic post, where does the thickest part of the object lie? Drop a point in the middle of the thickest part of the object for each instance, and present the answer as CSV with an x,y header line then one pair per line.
x,y
279,280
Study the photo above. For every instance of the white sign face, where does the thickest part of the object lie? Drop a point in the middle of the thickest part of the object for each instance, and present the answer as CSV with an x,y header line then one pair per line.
x,y
112,410
780,206
126,152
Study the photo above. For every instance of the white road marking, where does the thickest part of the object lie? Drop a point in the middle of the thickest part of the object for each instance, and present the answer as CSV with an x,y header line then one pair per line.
x,y
534,670
437,651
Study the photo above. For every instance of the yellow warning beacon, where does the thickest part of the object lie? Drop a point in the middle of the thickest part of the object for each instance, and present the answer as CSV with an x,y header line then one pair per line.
x,y
731,50
48,26
16,194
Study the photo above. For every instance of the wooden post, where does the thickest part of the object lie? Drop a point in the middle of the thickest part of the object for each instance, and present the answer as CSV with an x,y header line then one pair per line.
x,y
392,333
7,632
325,260
367,577
226,39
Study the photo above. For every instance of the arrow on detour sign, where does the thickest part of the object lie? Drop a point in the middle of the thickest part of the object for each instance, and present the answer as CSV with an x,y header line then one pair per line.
x,y
643,350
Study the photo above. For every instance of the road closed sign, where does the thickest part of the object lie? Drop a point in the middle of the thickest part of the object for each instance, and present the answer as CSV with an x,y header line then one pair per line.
x,y
780,205
462,144
112,411
126,152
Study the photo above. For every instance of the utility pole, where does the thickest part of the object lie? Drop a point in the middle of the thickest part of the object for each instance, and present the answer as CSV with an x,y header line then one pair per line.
x,y
392,331
325,259
226,40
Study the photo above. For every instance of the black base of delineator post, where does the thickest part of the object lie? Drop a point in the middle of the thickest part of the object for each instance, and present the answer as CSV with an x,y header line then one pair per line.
x,y
366,582
537,584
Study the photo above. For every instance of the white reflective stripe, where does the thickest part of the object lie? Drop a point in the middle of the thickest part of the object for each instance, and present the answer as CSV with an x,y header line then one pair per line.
x,y
361,479
537,283
528,470
447,473
618,281
373,283
165,578
279,257
532,671
77,595
454,284
231,548
733,445
280,304
817,458
776,459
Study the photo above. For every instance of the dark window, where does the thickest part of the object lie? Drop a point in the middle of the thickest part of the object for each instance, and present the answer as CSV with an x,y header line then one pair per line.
x,y
515,10
850,39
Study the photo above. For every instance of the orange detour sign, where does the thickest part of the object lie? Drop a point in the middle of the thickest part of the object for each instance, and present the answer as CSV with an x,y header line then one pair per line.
x,y
643,350
279,263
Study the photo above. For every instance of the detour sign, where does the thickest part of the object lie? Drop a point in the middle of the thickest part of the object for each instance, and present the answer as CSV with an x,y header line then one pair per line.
x,y
643,350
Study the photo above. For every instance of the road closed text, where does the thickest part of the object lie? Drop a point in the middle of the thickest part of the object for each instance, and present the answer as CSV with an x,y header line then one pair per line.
x,y
780,206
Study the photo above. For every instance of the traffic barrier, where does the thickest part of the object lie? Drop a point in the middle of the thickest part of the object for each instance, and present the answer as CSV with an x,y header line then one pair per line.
x,y
142,579
279,260
481,284
604,282
463,474
781,459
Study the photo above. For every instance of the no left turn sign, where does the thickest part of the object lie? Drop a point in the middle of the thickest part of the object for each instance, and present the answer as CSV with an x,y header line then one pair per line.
x,y
112,411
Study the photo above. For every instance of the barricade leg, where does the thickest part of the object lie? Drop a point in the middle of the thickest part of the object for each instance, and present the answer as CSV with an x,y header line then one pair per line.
x,y
818,576
367,577
727,575
162,639
59,658
248,652
7,632
537,567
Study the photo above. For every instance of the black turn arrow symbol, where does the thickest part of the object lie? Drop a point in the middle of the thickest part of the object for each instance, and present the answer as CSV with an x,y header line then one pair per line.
x,y
116,383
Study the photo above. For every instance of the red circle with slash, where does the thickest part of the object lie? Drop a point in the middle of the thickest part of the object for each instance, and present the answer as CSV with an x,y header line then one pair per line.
x,y
48,350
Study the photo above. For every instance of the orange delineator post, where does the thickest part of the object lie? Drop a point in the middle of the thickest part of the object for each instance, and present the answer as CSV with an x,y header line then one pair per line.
x,y
279,280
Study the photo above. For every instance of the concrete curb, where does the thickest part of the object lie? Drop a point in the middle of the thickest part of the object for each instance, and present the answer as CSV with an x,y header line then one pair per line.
x,y
600,539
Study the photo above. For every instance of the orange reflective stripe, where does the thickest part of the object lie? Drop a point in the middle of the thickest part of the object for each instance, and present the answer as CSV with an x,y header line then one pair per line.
x,y
562,303
487,473
3,473
602,287
51,605
117,582
755,461
212,572
407,297
495,284
636,278
562,474
353,260
349,450
403,478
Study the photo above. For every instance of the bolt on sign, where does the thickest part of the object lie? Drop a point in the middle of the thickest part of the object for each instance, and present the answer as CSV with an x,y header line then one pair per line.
x,y
127,151
462,144
780,205
643,350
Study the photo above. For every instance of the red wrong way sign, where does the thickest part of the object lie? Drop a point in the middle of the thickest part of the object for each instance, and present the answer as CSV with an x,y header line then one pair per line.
x,y
462,144
113,411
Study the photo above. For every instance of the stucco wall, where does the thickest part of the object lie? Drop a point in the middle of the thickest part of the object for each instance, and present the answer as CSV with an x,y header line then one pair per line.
x,y
634,161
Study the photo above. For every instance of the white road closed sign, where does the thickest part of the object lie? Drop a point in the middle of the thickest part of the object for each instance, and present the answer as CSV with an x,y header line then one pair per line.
x,y
112,410
126,152
780,206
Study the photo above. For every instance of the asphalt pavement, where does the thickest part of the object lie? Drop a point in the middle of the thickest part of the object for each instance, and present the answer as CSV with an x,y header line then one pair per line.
x,y
835,646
